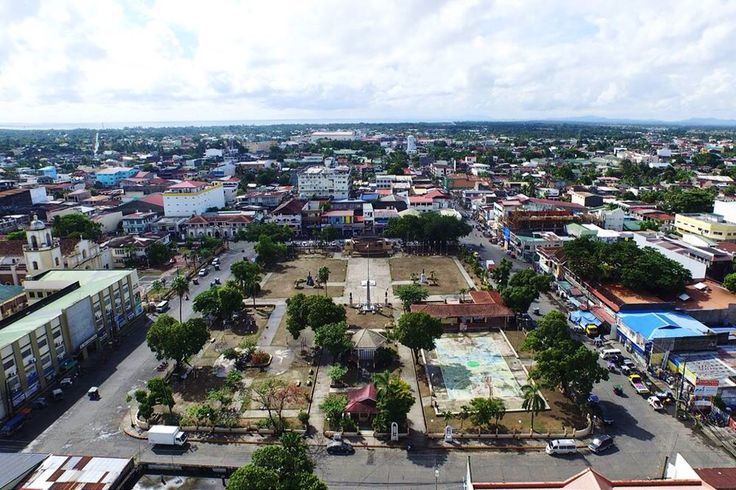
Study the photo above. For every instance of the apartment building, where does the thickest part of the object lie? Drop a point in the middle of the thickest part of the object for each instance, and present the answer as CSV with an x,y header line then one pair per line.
x,y
706,225
192,197
324,182
112,176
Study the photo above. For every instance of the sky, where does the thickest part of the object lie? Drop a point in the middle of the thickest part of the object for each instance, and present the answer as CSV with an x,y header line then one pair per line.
x,y
97,61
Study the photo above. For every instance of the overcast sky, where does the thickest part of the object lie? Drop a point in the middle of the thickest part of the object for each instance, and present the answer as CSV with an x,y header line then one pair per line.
x,y
162,60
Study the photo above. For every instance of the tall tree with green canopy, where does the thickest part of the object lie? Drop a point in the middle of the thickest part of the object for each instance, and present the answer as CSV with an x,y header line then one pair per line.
x,y
180,286
269,252
323,275
501,273
394,399
551,330
218,301
532,400
76,225
311,311
247,275
418,330
410,294
331,337
170,339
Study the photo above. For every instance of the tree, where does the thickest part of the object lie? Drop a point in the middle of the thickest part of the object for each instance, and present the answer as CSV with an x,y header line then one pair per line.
x,y
158,254
275,394
418,330
76,225
519,298
287,466
180,286
410,294
430,228
178,341
337,373
333,406
551,330
501,273
16,235
331,337
311,311
269,252
570,366
248,276
323,275
729,282
159,392
329,234
393,401
533,401
482,412
220,302
254,231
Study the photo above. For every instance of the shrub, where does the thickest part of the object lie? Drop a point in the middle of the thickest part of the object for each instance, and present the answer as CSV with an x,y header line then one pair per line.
x,y
248,346
230,354
384,357
333,407
349,425
303,417
259,357
233,378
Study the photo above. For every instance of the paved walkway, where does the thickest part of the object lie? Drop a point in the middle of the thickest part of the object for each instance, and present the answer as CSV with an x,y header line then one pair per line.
x,y
415,416
321,390
468,279
273,324
359,268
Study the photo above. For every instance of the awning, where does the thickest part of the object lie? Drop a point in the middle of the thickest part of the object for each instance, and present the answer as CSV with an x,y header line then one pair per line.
x,y
584,318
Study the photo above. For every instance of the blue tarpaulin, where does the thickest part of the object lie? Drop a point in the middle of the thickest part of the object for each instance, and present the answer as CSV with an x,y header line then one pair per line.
x,y
583,318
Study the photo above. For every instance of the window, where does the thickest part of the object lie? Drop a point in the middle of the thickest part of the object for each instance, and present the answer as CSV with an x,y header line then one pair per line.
x,y
31,294
56,261
35,264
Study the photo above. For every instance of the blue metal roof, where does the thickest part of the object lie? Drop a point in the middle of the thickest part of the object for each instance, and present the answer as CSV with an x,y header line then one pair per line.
x,y
663,324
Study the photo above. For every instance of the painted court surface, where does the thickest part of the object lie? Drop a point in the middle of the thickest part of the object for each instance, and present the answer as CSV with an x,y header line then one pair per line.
x,y
463,367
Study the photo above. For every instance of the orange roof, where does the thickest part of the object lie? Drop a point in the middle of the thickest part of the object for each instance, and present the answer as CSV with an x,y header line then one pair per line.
x,y
490,310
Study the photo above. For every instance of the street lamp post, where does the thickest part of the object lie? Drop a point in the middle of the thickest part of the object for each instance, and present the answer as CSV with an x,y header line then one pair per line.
x,y
436,477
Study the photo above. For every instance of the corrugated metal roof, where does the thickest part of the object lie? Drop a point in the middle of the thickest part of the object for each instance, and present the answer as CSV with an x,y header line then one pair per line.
x,y
77,473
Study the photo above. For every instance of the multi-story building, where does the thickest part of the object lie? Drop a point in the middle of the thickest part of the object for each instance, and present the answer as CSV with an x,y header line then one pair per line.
x,y
288,214
137,223
324,182
230,186
191,197
112,176
73,312
389,181
346,220
711,226
225,224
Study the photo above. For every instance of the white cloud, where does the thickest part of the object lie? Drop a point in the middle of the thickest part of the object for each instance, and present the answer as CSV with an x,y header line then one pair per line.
x,y
139,60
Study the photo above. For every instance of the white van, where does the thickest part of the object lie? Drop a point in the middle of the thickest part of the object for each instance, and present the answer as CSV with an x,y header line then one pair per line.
x,y
561,446
609,353
162,306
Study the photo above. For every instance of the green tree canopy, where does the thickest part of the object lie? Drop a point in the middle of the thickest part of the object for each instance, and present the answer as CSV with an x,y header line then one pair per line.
x,y
269,251
427,227
418,330
410,294
218,301
247,274
393,400
76,225
311,311
501,273
254,231
170,339
331,337
158,254
551,330
729,282
16,235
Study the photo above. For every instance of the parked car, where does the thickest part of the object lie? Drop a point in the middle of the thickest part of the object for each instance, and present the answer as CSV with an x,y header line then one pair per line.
x,y
217,280
57,394
601,443
602,413
65,382
217,267
340,447
655,403
202,272
40,402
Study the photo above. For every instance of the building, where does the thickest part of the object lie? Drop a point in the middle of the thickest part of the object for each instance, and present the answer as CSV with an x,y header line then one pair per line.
x,y
700,261
710,226
230,185
365,343
611,219
411,144
12,299
48,171
137,223
73,311
587,199
43,252
440,169
725,208
225,224
288,214
191,197
128,250
79,472
21,201
486,311
333,136
324,182
362,403
112,176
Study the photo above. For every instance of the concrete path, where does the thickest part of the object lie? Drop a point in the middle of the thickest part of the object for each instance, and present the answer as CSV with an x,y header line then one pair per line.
x,y
273,324
408,374
359,268
468,279
321,390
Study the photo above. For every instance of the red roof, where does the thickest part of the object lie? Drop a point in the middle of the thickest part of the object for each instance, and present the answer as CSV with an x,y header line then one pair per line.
x,y
362,400
486,297
188,184
157,199
490,310
718,478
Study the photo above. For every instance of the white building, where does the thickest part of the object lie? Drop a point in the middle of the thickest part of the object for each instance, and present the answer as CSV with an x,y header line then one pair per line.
x,y
333,136
191,197
411,144
230,185
43,252
388,181
727,209
613,219
324,182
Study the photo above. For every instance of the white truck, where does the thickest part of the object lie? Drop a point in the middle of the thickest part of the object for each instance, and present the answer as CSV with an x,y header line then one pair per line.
x,y
168,435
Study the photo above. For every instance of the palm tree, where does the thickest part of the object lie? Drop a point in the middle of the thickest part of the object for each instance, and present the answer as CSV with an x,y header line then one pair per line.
x,y
248,276
446,416
180,286
382,381
533,401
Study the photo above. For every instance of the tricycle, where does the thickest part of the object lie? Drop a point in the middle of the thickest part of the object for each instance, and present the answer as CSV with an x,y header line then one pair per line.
x,y
618,389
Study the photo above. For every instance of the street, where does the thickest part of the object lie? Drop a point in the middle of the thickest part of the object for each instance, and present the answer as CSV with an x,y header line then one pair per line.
x,y
643,437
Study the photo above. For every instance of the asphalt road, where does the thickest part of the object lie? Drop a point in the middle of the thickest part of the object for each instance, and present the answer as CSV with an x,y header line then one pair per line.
x,y
78,425
643,437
